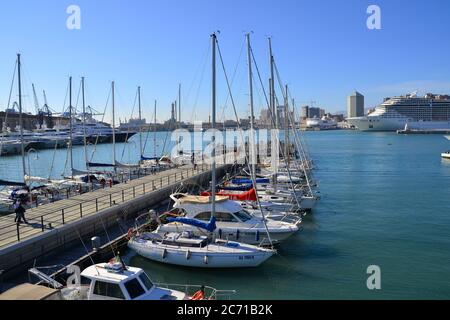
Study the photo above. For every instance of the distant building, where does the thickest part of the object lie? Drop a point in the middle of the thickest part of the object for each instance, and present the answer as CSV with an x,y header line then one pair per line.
x,y
314,113
305,112
264,118
355,105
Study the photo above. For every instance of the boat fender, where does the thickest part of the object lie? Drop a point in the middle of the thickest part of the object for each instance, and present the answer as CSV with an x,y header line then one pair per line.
x,y
188,255
164,254
237,234
257,235
205,259
130,233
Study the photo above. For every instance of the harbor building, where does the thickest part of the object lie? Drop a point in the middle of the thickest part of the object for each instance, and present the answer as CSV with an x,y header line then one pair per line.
x,y
355,105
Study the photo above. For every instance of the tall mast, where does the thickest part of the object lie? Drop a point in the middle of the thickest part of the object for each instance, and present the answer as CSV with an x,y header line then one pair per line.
x,y
84,123
19,78
286,126
272,86
140,122
154,131
70,126
179,104
213,126
252,114
113,124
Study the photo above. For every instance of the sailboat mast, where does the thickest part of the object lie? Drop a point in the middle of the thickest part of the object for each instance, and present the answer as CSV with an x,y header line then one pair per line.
x,y
154,131
179,104
252,113
70,126
272,86
213,126
140,122
84,123
19,79
113,124
286,127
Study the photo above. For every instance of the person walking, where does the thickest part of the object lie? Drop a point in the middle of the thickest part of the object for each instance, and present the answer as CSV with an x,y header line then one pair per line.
x,y
19,209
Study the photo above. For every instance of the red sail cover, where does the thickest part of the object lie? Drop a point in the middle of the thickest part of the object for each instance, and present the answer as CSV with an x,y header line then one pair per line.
x,y
249,195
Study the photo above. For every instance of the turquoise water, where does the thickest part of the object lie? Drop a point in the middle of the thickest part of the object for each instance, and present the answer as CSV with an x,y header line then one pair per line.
x,y
385,201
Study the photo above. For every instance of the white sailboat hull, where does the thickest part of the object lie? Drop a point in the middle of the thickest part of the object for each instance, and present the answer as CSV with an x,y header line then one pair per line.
x,y
198,257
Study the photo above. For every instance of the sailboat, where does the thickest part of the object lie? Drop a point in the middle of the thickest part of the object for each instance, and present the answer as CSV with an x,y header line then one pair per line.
x,y
187,247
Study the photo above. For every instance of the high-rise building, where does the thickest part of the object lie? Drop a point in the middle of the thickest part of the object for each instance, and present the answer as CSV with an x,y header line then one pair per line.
x,y
355,105
305,112
314,113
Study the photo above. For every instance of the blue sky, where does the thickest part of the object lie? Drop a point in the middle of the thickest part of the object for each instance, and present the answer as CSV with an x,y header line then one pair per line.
x,y
323,49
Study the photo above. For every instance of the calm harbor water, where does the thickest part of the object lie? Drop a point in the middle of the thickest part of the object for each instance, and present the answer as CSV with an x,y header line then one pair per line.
x,y
385,201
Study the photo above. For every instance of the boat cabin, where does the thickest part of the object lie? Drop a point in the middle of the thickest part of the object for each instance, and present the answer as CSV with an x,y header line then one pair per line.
x,y
199,207
111,281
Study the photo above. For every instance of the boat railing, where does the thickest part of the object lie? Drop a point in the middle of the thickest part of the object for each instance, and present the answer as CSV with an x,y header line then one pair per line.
x,y
49,219
210,292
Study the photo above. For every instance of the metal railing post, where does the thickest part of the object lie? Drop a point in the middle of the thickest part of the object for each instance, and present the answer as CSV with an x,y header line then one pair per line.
x,y
63,220
18,233
110,200
96,204
81,210
42,223
123,195
134,192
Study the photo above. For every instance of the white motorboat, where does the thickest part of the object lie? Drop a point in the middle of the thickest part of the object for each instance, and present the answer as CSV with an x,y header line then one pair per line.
x,y
113,281
445,155
187,249
233,222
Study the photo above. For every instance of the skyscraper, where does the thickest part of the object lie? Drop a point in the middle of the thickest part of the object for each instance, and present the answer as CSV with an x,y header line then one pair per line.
x,y
355,105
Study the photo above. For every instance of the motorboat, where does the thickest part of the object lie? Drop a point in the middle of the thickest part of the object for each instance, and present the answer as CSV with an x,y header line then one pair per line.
x,y
111,281
446,155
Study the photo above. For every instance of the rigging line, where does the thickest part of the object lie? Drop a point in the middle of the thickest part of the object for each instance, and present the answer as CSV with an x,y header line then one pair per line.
x,y
200,84
107,236
272,116
8,105
103,118
241,133
233,78
87,251
78,99
128,129
56,140
153,120
197,71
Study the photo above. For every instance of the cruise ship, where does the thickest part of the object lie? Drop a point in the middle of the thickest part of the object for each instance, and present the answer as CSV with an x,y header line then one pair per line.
x,y
429,112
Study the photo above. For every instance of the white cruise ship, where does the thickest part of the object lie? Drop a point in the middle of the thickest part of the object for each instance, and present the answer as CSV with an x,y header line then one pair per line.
x,y
430,112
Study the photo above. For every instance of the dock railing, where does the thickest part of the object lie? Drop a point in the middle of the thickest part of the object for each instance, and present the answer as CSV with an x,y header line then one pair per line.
x,y
70,213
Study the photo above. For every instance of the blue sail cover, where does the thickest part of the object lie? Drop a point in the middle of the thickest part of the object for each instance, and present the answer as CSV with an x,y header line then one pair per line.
x,y
11,183
244,187
210,226
146,158
99,165
249,181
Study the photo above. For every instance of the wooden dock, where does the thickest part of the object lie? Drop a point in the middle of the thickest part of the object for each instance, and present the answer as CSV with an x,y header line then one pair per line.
x,y
55,215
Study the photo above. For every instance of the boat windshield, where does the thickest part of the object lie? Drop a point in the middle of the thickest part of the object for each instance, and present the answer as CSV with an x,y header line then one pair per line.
x,y
243,215
146,281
